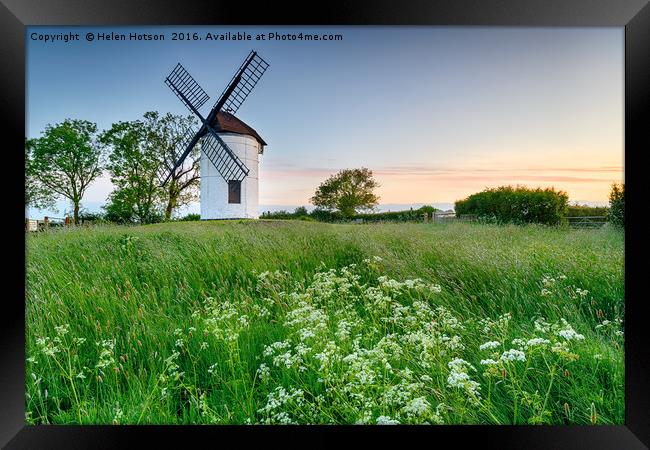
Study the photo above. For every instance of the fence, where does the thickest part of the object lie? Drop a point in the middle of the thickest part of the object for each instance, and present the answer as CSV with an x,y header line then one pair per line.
x,y
587,221
575,222
447,217
46,223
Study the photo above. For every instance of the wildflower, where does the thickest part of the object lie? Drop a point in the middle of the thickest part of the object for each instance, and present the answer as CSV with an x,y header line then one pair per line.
x,y
489,362
62,330
264,372
416,407
385,420
542,326
537,342
513,355
570,334
604,323
519,343
458,377
489,345
548,281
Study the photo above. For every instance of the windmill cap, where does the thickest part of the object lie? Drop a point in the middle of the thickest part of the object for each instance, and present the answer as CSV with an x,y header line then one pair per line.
x,y
227,122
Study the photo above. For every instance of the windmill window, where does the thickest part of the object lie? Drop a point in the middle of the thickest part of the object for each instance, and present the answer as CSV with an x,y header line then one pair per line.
x,y
234,191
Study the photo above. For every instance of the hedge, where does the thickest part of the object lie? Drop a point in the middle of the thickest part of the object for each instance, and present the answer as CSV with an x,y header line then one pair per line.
x,y
518,205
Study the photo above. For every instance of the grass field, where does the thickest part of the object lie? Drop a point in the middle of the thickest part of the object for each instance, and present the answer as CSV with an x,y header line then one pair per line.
x,y
297,322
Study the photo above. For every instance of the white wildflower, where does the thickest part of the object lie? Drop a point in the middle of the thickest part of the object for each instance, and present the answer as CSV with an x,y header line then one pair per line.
x,y
385,420
513,355
416,407
489,345
537,342
570,334
489,362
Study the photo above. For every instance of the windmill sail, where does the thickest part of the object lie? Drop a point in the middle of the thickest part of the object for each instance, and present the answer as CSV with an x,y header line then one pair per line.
x,y
242,83
186,88
229,166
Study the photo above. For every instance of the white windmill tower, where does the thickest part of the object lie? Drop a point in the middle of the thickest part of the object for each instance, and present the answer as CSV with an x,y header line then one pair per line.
x,y
230,148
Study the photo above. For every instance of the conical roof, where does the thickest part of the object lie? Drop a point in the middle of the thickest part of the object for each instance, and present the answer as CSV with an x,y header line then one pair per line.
x,y
229,123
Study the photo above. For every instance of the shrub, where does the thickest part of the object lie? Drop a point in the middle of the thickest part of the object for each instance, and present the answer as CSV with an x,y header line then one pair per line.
x,y
193,217
585,210
323,215
518,205
617,205
411,215
93,217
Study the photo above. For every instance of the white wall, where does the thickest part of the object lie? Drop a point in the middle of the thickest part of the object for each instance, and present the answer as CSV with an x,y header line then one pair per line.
x,y
214,189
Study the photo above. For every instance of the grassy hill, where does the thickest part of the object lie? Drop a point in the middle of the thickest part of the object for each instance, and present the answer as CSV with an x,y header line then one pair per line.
x,y
302,322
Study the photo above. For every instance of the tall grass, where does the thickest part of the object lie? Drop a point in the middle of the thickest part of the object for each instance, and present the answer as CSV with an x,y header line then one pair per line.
x,y
294,322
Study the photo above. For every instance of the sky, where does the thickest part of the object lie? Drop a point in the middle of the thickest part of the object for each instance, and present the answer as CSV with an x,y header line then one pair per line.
x,y
437,113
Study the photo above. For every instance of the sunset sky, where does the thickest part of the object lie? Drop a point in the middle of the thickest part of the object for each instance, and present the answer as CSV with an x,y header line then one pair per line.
x,y
437,113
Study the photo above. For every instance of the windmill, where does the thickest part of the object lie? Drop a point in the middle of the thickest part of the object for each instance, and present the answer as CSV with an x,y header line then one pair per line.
x,y
230,148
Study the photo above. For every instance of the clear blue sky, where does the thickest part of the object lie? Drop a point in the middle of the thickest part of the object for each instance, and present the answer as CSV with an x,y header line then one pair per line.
x,y
437,112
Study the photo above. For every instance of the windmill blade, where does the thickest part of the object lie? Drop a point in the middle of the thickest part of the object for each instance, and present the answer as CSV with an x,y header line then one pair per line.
x,y
241,84
185,145
229,166
186,88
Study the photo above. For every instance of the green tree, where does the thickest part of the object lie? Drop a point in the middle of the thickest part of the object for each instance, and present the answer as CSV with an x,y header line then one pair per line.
x,y
63,163
617,204
165,135
36,194
348,191
133,164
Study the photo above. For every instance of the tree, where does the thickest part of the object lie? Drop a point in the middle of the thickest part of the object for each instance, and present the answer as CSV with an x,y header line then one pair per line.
x,y
63,162
36,195
165,134
133,165
617,204
348,191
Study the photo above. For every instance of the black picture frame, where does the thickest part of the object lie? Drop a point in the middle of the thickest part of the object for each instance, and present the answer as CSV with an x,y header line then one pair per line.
x,y
634,15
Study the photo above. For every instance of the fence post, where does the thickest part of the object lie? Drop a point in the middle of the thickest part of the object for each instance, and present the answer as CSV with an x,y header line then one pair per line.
x,y
46,221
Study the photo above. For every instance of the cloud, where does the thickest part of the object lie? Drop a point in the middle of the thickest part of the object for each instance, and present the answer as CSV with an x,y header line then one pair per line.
x,y
283,171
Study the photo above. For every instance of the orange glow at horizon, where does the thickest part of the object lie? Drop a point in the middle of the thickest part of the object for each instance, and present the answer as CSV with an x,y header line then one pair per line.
x,y
448,184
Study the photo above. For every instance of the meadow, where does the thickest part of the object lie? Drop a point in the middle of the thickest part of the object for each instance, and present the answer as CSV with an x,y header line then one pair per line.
x,y
278,322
